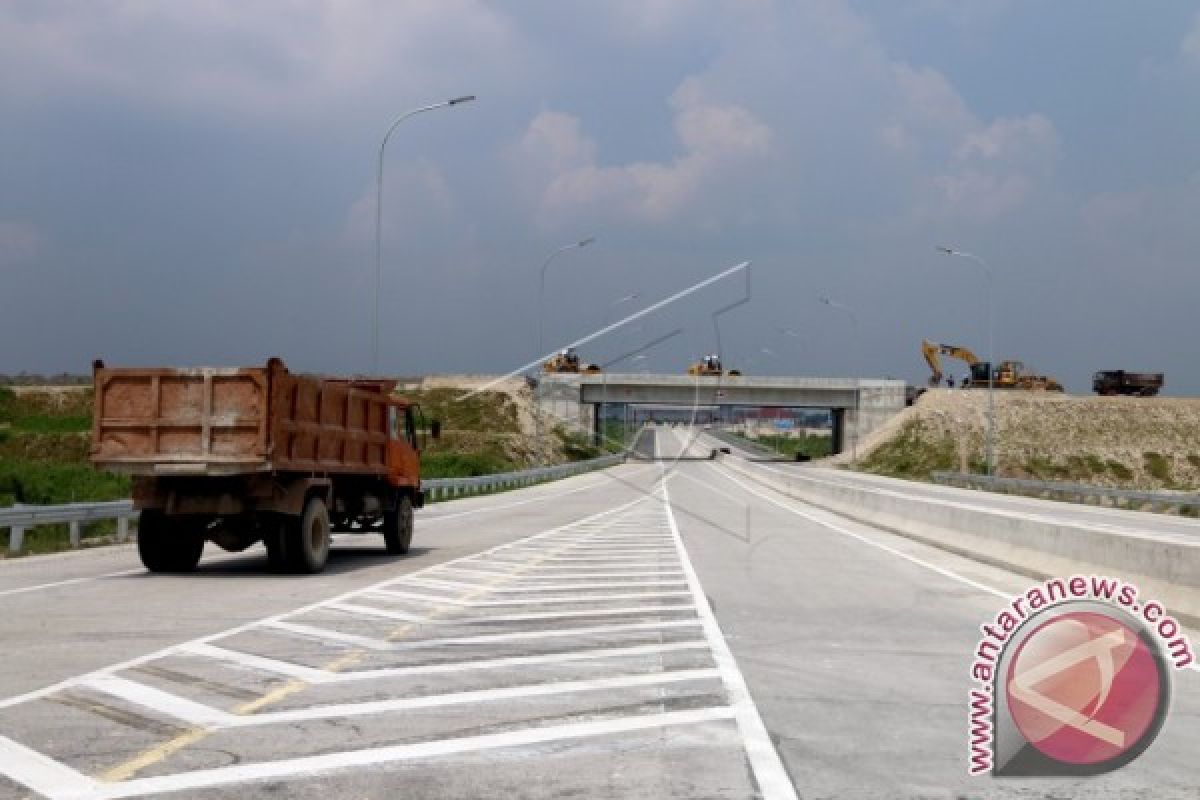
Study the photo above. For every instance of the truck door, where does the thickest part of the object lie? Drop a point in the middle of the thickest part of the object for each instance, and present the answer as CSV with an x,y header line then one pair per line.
x,y
404,466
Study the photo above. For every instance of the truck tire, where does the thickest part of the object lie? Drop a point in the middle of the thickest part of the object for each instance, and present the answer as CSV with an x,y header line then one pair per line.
x,y
275,540
398,526
306,540
168,545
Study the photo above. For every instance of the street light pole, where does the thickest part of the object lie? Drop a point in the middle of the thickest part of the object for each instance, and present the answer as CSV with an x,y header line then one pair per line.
x,y
858,390
379,213
537,398
991,412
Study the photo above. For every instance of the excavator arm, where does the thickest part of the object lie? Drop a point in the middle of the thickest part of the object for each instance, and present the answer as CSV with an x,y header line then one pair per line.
x,y
932,351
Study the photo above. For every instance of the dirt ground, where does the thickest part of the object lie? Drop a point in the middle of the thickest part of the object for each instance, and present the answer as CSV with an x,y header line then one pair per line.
x,y
1112,441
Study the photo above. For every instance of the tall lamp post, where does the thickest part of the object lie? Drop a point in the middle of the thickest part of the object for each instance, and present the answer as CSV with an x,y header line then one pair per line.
x,y
991,412
537,400
379,213
858,390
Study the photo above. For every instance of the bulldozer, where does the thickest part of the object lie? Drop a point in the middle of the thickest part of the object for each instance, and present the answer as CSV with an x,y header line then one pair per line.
x,y
1008,375
710,365
567,361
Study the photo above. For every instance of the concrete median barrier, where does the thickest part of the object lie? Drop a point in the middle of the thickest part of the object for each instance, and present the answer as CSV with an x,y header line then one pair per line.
x,y
1165,566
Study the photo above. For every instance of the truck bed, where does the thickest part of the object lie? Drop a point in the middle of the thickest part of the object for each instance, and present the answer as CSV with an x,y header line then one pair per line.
x,y
229,421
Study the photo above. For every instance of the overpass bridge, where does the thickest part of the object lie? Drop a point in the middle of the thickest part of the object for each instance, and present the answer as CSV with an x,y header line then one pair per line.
x,y
857,405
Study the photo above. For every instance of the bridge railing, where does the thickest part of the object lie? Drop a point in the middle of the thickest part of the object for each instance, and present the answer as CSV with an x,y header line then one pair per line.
x,y
1075,492
20,519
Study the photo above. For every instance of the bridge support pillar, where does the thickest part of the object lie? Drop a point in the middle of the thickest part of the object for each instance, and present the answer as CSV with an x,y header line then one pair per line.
x,y
839,429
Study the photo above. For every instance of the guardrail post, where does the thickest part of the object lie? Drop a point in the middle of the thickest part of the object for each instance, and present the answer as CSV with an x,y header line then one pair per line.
x,y
16,538
75,533
122,528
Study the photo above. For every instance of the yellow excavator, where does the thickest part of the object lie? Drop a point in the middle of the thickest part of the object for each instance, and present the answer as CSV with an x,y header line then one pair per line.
x,y
568,361
710,365
1009,375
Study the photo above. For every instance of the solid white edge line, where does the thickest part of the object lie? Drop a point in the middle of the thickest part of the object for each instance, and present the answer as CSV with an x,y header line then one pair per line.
x,y
822,518
772,778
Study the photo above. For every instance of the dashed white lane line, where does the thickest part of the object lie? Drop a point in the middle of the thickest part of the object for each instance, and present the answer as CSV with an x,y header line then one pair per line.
x,y
70,582
769,772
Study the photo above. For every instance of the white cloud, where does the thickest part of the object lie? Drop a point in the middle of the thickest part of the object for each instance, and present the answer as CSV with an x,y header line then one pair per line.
x,y
715,138
1013,139
254,57
1190,48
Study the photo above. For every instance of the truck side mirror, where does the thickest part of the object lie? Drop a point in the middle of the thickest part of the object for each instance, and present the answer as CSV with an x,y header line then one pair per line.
x,y
435,429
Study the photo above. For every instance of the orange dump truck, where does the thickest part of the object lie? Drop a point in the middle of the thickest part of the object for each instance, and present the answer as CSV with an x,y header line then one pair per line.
x,y
236,456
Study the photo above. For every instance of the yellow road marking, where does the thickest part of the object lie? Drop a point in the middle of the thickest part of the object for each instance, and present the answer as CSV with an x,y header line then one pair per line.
x,y
159,753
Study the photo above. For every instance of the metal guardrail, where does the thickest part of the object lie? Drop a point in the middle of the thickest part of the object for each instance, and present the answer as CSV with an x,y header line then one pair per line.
x,y
444,488
20,518
1079,492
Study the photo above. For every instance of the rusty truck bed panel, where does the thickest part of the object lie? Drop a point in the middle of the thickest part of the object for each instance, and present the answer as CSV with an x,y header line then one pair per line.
x,y
222,421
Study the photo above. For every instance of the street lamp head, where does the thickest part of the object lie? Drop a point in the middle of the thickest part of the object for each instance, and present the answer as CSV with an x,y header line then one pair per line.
x,y
947,250
825,300
466,98
586,242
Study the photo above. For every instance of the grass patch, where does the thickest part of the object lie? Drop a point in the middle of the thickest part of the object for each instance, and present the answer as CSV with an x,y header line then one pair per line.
x,y
577,446
1044,469
1158,467
40,483
1119,470
787,446
489,411
463,465
913,454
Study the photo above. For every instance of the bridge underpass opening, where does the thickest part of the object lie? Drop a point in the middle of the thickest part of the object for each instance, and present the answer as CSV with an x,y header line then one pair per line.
x,y
768,425
855,406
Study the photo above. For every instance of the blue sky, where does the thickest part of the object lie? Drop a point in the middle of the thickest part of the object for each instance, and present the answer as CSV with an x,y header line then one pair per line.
x,y
193,182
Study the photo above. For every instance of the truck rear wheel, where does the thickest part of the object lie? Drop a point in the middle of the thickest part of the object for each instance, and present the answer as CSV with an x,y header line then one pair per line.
x,y
307,539
398,526
166,544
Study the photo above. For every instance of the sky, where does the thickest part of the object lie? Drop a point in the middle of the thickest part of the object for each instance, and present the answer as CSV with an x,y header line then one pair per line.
x,y
194,183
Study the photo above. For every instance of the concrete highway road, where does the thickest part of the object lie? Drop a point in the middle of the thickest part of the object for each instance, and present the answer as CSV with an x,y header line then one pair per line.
x,y
664,629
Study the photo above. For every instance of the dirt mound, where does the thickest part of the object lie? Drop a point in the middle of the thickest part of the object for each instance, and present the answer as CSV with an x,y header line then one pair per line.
x,y
1112,441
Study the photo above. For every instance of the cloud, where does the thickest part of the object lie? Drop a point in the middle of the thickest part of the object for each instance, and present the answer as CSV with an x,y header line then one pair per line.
x,y
255,58
1190,47
715,138
19,242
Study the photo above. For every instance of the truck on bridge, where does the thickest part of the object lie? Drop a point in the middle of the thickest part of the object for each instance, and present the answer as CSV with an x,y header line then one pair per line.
x,y
235,456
